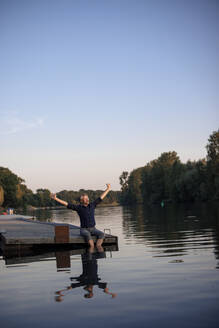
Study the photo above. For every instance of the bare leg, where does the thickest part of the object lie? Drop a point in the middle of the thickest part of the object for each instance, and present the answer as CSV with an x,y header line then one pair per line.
x,y
100,236
87,235
99,242
91,244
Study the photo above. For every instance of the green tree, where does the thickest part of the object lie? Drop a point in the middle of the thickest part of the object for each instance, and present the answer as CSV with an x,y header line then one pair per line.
x,y
213,149
1,195
167,178
124,180
43,198
157,177
10,182
213,165
74,196
134,192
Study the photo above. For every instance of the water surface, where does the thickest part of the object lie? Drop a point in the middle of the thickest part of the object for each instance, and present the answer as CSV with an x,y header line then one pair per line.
x,y
165,273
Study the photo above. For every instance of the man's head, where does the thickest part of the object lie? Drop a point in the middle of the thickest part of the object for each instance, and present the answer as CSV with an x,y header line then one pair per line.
x,y
90,291
84,199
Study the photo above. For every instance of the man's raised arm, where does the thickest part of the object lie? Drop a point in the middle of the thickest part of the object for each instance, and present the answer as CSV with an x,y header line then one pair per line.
x,y
53,196
103,195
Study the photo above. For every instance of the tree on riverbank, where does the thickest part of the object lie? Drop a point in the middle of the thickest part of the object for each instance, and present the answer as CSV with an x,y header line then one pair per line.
x,y
73,196
1,195
13,188
213,165
167,178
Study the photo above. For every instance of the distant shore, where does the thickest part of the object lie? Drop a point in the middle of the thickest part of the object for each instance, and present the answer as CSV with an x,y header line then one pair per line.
x,y
62,207
33,208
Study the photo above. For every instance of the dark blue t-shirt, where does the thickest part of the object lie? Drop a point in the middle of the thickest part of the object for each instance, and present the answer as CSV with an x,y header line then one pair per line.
x,y
86,213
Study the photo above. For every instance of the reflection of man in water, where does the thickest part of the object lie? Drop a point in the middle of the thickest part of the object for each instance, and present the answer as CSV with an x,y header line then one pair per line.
x,y
89,277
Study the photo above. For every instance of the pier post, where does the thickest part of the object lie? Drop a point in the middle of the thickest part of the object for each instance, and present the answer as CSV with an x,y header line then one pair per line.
x,y
61,234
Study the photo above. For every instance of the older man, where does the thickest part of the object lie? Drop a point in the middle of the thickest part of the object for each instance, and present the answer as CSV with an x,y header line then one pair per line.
x,y
85,211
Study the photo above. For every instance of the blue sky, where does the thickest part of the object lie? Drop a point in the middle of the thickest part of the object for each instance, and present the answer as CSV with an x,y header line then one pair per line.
x,y
91,88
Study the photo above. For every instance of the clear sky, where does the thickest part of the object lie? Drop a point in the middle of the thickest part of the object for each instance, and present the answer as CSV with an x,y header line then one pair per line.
x,y
91,88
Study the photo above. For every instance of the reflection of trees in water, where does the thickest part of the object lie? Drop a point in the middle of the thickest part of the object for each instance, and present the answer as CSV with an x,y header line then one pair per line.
x,y
216,236
174,228
41,214
216,245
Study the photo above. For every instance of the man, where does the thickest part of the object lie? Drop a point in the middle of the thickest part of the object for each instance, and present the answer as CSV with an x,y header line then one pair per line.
x,y
86,213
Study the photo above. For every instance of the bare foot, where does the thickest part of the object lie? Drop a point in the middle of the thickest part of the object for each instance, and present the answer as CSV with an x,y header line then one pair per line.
x,y
100,248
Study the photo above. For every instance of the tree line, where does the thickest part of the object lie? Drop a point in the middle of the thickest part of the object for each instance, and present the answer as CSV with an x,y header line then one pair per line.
x,y
14,193
167,179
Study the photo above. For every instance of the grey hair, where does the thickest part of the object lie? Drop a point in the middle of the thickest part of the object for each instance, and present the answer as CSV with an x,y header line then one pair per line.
x,y
84,195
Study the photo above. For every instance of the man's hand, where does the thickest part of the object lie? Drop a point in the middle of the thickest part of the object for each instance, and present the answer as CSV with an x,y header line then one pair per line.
x,y
106,191
53,196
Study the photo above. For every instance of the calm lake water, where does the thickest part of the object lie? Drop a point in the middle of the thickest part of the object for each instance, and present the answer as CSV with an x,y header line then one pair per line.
x,y
165,274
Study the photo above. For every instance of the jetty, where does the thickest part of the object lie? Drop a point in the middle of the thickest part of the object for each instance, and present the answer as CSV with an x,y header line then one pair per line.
x,y
23,234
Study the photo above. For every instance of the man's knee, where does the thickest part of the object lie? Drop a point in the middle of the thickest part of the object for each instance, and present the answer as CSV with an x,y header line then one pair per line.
x,y
100,235
86,234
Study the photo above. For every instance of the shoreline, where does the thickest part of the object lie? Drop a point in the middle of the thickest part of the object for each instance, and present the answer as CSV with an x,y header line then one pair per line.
x,y
32,208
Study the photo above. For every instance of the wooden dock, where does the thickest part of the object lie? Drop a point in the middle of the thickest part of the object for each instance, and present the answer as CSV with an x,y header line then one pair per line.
x,y
23,232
